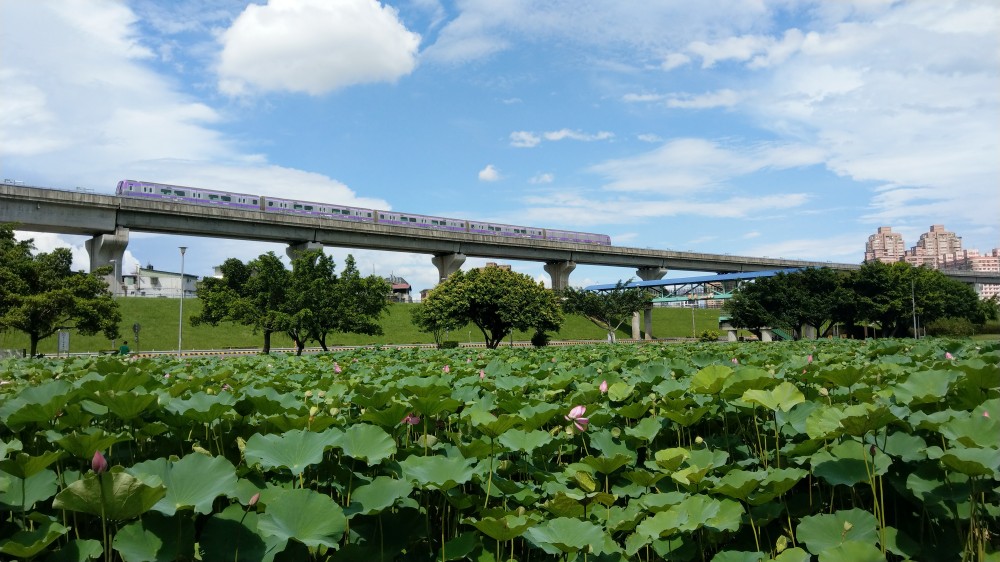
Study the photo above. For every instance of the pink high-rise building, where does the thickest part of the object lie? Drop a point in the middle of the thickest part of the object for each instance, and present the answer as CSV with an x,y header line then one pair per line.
x,y
885,246
932,247
971,260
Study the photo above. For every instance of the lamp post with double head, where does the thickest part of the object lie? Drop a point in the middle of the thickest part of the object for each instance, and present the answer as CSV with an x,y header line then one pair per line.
x,y
180,314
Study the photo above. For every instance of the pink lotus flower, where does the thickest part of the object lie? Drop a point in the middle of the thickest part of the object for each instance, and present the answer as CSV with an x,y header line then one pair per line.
x,y
254,499
446,369
604,387
576,416
468,360
809,359
99,463
736,361
336,368
948,355
411,419
986,414
482,374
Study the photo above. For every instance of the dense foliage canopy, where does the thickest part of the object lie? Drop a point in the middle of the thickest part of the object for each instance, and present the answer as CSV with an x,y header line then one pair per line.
x,y
41,294
497,300
608,309
887,296
307,302
838,450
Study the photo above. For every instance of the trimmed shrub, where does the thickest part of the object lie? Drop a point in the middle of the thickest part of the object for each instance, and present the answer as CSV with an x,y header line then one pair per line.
x,y
449,344
950,327
709,335
540,339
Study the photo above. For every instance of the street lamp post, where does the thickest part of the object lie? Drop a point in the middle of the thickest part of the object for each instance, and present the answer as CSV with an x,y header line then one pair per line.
x,y
114,276
180,314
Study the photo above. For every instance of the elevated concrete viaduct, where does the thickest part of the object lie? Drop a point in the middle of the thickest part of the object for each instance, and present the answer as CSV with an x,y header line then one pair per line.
x,y
109,219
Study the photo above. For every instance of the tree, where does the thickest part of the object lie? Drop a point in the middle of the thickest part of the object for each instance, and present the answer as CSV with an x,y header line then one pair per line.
x,y
320,302
495,299
253,294
41,294
608,309
812,297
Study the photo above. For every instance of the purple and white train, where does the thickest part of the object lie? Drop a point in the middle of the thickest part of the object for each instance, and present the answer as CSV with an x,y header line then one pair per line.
x,y
267,204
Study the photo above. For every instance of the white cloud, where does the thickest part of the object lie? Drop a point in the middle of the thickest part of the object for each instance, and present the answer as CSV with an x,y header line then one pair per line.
x,y
528,139
577,135
524,139
489,173
720,98
848,248
752,234
683,165
314,46
649,137
542,178
674,60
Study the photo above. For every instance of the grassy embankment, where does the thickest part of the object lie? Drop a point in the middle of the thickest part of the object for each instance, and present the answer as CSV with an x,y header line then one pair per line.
x,y
158,320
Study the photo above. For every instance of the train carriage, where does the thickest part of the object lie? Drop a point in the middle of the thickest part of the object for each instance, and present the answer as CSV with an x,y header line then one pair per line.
x,y
326,210
189,195
579,237
421,221
496,229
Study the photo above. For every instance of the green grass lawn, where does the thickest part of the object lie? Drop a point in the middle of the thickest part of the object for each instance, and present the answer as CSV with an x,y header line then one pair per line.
x,y
158,320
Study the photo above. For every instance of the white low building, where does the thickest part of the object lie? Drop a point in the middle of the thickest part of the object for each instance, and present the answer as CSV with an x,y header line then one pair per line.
x,y
149,282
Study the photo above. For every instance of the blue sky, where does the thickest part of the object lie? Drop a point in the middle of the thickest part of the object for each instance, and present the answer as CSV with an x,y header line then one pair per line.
x,y
783,129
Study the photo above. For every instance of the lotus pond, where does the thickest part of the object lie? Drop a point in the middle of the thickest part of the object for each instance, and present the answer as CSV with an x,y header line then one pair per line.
x,y
832,450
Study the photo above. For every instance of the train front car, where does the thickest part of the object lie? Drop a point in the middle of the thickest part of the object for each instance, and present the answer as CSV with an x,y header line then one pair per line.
x,y
578,237
496,229
325,210
189,195
421,221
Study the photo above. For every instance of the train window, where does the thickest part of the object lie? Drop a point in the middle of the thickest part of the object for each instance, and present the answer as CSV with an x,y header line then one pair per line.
x,y
212,197
178,193
413,219
164,191
381,216
226,198
306,207
369,214
346,212
254,201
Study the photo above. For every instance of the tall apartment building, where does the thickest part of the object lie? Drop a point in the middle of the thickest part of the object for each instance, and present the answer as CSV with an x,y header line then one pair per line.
x,y
971,260
932,247
885,246
936,249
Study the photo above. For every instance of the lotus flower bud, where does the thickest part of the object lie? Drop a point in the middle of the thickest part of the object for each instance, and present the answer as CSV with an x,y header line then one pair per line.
x,y
99,463
254,499
604,387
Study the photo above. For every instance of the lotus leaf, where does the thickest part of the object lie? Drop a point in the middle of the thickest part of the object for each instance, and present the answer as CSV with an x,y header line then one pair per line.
x,y
202,407
739,556
26,492
970,431
294,450
82,445
125,405
824,422
854,551
232,535
924,387
710,379
124,496
821,533
36,404
671,459
738,483
437,472
25,466
849,463
782,397
795,554
605,464
646,430
193,481
504,528
26,543
968,460
365,442
562,505
379,494
524,441
156,538
308,517
747,378
7,447
567,535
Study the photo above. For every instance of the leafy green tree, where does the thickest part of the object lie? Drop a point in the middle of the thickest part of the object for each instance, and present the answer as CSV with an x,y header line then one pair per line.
x,y
890,294
495,299
254,294
41,294
789,300
607,309
320,302
360,302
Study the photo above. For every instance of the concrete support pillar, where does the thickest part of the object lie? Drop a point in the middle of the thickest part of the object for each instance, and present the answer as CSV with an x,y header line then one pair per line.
x,y
109,249
647,274
447,264
559,271
295,250
636,332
